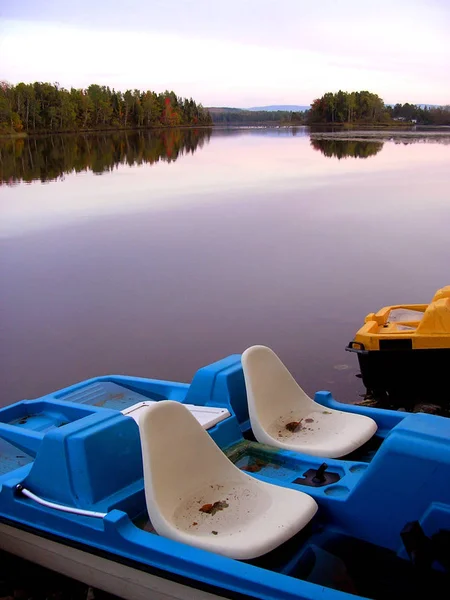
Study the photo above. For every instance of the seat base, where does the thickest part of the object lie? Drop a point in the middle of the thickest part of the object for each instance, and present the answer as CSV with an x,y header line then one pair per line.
x,y
321,432
242,519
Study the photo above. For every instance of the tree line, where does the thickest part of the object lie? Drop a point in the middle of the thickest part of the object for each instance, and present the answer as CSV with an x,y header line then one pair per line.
x,y
425,115
367,108
46,107
237,116
49,157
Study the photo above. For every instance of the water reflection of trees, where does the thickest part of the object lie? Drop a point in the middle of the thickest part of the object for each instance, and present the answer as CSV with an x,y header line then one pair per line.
x,y
343,148
51,157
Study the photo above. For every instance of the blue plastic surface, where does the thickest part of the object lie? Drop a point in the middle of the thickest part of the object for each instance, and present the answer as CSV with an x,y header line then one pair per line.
x,y
74,447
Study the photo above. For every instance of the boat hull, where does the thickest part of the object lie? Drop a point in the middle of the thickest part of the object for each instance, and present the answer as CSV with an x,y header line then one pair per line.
x,y
405,373
96,571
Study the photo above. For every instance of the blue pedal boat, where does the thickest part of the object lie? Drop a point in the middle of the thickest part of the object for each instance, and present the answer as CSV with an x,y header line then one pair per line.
x,y
77,484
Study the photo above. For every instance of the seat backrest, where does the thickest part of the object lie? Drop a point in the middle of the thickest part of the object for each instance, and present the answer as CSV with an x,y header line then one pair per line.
x,y
272,392
442,293
179,457
436,318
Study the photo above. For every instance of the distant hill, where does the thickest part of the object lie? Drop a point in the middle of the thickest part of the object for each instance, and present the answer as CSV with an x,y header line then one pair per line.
x,y
223,109
223,115
284,107
274,108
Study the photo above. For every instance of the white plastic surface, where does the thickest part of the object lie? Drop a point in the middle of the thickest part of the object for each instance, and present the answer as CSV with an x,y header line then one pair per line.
x,y
207,416
404,314
184,470
276,400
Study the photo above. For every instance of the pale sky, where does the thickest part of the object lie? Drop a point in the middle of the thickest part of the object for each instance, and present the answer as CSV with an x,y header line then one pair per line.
x,y
233,53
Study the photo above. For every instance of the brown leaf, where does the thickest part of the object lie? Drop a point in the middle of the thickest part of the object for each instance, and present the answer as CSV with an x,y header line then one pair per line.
x,y
211,509
251,468
294,426
254,465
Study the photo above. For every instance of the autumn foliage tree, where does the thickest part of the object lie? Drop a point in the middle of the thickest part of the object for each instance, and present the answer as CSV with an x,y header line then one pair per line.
x,y
171,114
48,107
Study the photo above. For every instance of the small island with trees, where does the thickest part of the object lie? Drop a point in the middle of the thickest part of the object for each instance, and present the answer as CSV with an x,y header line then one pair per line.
x,y
366,108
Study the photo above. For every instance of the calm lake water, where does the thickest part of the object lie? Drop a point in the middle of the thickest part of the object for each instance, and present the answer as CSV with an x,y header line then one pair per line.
x,y
155,254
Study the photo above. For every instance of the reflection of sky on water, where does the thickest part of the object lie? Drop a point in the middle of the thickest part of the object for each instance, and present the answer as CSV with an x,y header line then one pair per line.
x,y
233,166
157,270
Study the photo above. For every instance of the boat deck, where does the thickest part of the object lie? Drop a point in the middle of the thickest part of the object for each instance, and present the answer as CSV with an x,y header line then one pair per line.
x,y
108,394
76,449
11,458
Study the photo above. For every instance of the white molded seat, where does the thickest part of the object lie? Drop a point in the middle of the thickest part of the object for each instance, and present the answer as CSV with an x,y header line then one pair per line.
x,y
184,471
276,400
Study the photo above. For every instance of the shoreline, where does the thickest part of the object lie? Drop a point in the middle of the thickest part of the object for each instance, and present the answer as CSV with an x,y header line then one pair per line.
x,y
316,130
383,135
396,124
33,134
